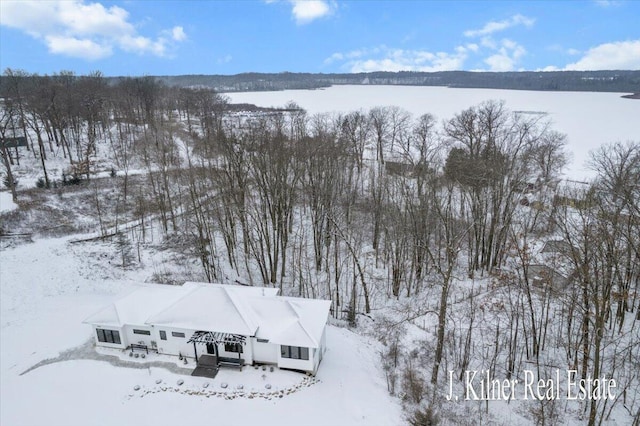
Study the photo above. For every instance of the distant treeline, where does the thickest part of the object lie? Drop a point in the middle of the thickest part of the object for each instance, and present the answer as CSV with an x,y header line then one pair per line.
x,y
590,81
580,81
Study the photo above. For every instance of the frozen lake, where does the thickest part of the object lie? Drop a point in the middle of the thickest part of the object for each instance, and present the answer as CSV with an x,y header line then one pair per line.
x,y
589,119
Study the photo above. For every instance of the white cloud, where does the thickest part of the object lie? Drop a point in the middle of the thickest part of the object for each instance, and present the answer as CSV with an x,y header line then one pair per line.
x,y
383,58
496,26
225,59
607,3
472,47
84,30
305,11
80,48
558,48
498,55
354,54
141,45
620,55
178,34
500,62
334,57
506,57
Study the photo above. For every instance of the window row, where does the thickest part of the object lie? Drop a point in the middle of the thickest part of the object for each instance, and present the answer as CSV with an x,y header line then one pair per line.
x,y
108,336
113,336
294,352
163,334
291,352
233,347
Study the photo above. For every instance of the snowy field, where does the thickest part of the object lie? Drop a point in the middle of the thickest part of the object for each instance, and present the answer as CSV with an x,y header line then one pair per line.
x,y
589,119
6,202
48,287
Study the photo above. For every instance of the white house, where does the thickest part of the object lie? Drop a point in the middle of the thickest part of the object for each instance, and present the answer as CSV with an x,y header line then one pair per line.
x,y
228,323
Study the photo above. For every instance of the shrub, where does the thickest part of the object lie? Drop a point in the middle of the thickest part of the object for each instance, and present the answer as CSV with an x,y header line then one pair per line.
x,y
7,182
423,417
40,183
413,384
73,180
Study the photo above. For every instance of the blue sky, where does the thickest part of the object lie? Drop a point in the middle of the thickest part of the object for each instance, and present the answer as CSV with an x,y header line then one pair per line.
x,y
228,37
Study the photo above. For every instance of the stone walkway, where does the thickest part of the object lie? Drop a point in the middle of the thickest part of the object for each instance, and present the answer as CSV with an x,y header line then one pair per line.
x,y
87,351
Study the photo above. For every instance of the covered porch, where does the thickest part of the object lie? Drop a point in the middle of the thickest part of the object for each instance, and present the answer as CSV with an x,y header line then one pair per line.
x,y
209,362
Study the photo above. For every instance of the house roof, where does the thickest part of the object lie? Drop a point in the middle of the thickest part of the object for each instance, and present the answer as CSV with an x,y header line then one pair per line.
x,y
211,308
248,311
556,246
291,321
138,305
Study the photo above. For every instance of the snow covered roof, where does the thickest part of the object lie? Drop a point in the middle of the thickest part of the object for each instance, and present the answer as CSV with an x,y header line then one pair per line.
x,y
138,305
291,321
211,308
249,311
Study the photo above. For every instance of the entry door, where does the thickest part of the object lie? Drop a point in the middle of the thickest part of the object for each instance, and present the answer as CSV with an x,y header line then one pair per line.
x,y
211,349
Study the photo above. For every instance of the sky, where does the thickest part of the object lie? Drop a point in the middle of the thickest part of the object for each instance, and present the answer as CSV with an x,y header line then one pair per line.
x,y
133,38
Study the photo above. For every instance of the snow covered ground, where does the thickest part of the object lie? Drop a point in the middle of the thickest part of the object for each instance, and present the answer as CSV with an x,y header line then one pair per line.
x,y
6,202
589,119
48,287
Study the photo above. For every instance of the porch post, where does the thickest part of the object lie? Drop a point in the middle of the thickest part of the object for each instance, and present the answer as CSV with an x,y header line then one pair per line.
x,y
195,351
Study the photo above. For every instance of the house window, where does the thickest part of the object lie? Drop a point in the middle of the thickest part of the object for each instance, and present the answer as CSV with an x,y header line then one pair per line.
x,y
294,352
145,332
233,347
163,335
263,340
304,353
177,334
108,336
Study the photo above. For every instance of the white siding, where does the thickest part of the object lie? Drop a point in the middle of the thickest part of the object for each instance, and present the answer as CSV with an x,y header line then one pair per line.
x,y
175,345
137,339
323,343
266,353
317,357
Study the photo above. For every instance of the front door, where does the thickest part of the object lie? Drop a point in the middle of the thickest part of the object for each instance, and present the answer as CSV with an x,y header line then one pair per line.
x,y
211,349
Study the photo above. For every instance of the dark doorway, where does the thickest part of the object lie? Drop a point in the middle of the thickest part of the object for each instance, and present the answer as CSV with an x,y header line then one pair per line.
x,y
211,348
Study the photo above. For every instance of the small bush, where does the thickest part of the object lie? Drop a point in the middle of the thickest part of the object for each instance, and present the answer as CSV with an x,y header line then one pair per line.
x,y
40,183
424,417
413,384
8,183
73,180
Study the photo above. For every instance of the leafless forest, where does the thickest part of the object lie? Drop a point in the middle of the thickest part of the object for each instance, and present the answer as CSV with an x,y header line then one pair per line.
x,y
456,243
